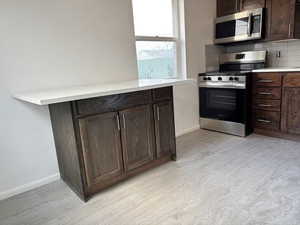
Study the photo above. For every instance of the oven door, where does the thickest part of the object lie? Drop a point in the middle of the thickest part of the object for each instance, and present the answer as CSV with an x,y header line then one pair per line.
x,y
223,104
241,26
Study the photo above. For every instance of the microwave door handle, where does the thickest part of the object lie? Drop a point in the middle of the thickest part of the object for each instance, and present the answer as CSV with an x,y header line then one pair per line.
x,y
249,24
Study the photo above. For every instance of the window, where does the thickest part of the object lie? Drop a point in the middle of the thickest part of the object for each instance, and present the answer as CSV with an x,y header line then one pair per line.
x,y
157,38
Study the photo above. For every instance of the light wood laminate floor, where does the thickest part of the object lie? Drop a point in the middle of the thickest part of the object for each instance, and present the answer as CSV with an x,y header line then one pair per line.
x,y
217,180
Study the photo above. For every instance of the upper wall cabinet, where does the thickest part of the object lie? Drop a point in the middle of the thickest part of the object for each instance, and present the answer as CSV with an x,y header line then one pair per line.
x,y
227,7
252,4
283,19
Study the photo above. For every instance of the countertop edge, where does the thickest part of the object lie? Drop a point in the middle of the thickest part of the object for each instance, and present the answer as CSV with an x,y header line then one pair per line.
x,y
276,70
26,97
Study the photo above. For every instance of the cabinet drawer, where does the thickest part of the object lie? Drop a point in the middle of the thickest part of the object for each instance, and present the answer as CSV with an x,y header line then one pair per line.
x,y
160,94
134,99
291,80
266,120
267,93
267,79
112,103
96,105
267,104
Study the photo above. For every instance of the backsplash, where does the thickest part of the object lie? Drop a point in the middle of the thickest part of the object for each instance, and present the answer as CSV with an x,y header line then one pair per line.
x,y
280,54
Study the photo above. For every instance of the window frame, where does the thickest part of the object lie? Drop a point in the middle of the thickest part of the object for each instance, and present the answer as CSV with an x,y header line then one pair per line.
x,y
176,39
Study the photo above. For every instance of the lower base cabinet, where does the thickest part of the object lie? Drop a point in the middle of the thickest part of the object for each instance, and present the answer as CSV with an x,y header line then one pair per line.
x,y
274,114
102,141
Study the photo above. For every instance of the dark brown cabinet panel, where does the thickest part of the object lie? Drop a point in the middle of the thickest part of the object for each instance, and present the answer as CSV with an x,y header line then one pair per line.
x,y
227,7
267,104
164,127
280,16
267,79
161,94
267,92
291,104
137,136
266,120
291,110
292,80
252,4
101,144
283,19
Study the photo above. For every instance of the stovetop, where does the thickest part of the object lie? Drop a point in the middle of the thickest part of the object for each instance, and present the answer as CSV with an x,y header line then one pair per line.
x,y
226,73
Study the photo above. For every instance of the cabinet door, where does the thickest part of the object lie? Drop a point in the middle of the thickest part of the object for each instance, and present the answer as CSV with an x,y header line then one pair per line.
x,y
164,128
101,144
279,13
252,4
291,110
137,136
227,7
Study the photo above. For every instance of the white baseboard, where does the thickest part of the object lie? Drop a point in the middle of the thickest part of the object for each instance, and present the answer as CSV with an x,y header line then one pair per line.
x,y
29,186
186,131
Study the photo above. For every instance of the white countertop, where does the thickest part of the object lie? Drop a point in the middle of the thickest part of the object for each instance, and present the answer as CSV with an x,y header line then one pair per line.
x,y
46,97
277,69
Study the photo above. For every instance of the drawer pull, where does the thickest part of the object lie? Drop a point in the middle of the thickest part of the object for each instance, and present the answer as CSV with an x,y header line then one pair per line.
x,y
264,93
265,105
265,81
264,121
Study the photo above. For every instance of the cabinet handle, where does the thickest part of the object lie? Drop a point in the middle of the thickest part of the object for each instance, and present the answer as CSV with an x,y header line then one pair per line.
x,y
124,122
158,113
264,121
265,81
264,93
263,105
289,30
249,24
118,122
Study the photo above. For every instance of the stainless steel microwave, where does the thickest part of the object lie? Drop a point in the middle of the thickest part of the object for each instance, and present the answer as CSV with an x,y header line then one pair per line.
x,y
243,26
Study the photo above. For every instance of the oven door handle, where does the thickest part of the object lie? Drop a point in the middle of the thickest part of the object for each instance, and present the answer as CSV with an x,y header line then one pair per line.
x,y
249,28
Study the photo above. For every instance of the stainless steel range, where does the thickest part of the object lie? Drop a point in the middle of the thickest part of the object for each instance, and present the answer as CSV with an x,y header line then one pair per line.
x,y
225,97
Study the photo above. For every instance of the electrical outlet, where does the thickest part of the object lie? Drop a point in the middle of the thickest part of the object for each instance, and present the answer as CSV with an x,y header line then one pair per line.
x,y
278,54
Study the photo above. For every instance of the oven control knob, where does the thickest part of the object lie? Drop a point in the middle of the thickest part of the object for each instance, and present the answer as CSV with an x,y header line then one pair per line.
x,y
205,78
209,78
231,78
220,78
236,79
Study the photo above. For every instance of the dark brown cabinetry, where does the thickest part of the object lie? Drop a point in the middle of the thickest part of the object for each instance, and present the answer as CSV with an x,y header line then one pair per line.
x,y
137,136
96,133
252,4
101,141
227,7
291,104
280,14
276,104
282,17
266,101
165,142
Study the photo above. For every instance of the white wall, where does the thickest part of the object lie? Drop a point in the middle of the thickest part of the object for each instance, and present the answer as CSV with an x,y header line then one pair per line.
x,y
199,30
45,44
